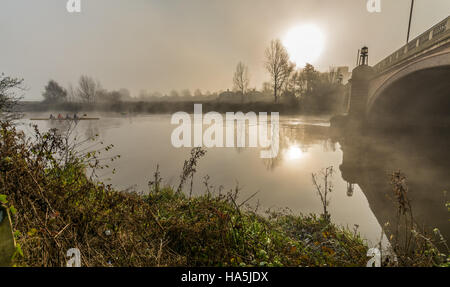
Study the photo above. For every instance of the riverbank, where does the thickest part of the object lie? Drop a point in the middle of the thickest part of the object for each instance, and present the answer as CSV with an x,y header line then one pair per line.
x,y
54,206
142,107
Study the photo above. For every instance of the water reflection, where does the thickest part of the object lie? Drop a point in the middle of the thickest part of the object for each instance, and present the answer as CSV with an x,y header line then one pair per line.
x,y
285,181
297,137
423,156
360,189
294,153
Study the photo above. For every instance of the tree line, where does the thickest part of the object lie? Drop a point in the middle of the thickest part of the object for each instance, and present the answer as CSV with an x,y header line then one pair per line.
x,y
305,88
88,91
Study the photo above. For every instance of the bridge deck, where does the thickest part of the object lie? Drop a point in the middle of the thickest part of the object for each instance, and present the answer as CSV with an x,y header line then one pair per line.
x,y
434,37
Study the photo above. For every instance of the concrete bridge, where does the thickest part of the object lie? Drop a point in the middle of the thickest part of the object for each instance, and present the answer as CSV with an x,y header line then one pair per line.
x,y
412,81
409,88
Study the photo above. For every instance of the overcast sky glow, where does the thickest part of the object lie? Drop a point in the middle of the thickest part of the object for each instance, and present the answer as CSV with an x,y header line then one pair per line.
x,y
160,45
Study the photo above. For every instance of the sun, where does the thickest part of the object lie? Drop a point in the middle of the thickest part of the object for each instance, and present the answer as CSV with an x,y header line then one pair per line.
x,y
304,44
294,152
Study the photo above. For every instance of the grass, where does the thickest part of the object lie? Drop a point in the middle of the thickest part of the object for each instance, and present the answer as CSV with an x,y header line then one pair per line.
x,y
212,231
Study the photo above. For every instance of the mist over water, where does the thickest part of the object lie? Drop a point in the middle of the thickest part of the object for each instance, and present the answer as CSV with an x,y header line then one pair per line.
x,y
283,182
307,145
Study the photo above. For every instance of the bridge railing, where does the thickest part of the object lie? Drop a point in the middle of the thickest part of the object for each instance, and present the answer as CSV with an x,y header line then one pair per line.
x,y
433,36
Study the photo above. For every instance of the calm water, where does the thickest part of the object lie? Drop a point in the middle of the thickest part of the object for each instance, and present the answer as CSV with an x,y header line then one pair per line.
x,y
305,147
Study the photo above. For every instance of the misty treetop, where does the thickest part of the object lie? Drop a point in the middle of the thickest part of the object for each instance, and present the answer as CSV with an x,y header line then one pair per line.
x,y
88,91
54,93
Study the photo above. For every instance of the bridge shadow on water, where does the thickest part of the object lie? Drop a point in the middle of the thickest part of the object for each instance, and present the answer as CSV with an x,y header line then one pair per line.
x,y
422,155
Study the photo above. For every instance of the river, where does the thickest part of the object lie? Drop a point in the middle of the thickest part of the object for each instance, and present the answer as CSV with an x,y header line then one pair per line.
x,y
306,147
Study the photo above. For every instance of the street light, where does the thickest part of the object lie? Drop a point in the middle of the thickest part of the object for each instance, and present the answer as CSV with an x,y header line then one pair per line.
x,y
364,56
410,18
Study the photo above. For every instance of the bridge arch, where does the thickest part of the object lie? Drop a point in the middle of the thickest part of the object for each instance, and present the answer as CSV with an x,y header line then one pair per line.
x,y
419,86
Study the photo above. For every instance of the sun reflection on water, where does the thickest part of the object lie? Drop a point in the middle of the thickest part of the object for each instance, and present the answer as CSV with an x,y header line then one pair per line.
x,y
294,153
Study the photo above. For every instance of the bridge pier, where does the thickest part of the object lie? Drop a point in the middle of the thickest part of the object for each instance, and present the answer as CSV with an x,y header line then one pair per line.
x,y
361,77
356,118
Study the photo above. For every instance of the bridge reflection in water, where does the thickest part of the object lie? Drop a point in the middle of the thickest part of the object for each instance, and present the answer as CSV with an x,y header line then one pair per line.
x,y
399,120
423,156
371,156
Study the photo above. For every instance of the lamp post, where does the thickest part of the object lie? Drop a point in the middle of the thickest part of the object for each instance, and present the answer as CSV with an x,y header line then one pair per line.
x,y
410,18
364,56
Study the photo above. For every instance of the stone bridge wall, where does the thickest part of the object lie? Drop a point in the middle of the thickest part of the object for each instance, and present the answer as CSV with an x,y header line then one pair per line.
x,y
415,48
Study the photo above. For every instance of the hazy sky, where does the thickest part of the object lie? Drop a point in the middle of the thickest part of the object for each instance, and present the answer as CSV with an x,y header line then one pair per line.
x,y
159,45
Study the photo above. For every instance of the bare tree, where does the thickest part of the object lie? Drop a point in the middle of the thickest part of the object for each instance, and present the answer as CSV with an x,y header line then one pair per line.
x,y
333,75
71,93
278,65
54,93
325,190
88,89
8,96
241,79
